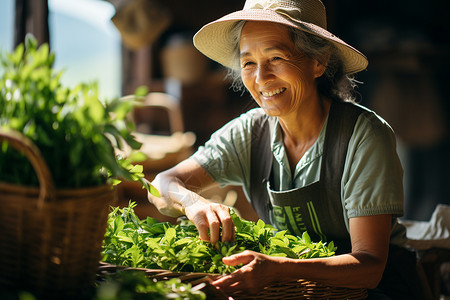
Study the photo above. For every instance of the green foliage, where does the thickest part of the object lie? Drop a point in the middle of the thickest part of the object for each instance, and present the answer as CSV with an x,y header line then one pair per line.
x,y
75,132
127,285
134,285
151,244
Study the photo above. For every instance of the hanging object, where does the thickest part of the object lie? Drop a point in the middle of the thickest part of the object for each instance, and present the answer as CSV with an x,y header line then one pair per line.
x,y
140,22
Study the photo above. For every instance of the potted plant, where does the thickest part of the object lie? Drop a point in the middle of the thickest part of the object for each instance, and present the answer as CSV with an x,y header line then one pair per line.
x,y
57,169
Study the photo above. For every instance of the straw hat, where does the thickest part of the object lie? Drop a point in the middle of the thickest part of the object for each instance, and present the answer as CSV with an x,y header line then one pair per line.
x,y
214,39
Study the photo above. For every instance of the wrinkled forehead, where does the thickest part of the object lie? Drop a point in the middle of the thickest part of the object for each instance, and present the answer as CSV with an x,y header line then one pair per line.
x,y
266,35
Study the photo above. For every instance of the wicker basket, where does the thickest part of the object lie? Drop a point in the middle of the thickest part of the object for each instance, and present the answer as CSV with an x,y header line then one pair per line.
x,y
301,289
50,241
304,289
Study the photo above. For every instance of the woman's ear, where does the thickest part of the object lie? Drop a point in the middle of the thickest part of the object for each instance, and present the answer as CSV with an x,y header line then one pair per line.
x,y
319,69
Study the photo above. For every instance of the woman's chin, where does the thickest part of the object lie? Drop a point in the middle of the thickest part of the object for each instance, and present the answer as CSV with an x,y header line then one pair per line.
x,y
271,111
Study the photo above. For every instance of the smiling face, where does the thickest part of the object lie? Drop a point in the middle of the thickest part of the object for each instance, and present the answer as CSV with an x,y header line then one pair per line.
x,y
279,77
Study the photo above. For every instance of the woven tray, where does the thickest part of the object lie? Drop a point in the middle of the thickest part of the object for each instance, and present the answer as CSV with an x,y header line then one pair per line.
x,y
301,289
304,289
195,279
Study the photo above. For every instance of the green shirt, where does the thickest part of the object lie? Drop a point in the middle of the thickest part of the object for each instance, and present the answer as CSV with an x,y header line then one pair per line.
x,y
372,178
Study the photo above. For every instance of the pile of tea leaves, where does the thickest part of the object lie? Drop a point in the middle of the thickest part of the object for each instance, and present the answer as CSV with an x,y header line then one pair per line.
x,y
149,243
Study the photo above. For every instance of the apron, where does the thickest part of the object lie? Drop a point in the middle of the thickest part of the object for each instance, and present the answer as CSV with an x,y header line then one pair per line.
x,y
296,209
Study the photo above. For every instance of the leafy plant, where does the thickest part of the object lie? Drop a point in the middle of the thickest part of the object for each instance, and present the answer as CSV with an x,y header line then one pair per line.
x,y
149,243
75,131
127,285
135,285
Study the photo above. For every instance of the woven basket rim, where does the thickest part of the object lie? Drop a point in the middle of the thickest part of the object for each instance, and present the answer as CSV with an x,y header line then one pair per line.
x,y
289,287
46,191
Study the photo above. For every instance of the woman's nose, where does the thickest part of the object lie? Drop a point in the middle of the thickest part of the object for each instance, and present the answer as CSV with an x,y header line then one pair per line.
x,y
263,74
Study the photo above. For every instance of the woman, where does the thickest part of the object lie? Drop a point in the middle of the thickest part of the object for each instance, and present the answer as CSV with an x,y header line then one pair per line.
x,y
308,159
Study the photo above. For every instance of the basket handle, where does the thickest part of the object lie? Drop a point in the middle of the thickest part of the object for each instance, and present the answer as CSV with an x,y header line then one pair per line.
x,y
23,143
165,101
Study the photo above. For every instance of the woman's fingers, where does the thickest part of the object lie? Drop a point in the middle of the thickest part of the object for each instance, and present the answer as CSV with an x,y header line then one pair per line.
x,y
229,282
257,271
219,218
202,227
235,278
214,226
223,212
212,217
239,258
237,281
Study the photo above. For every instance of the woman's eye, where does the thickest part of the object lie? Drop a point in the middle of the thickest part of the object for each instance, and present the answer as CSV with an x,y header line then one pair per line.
x,y
276,58
246,64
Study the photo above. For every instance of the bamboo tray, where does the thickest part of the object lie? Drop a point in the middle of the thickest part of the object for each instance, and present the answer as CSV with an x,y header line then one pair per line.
x,y
301,289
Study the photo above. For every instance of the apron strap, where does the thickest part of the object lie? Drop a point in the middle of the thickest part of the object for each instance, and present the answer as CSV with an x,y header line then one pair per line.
x,y
261,159
341,123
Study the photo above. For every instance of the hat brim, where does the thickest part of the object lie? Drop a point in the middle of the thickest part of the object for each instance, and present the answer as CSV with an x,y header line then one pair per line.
x,y
214,39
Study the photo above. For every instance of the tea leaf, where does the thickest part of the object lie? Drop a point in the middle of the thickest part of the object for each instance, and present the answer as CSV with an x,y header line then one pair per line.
x,y
178,247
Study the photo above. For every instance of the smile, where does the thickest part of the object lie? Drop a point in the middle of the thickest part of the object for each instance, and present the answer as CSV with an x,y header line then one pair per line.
x,y
273,93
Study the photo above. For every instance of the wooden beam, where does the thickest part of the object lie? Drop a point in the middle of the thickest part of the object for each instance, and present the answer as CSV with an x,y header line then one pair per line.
x,y
31,16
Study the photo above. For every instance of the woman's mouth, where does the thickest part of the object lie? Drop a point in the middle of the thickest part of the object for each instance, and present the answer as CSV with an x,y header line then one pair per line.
x,y
273,92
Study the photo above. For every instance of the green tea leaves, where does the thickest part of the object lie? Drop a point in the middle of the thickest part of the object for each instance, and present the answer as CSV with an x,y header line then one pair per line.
x,y
149,243
134,284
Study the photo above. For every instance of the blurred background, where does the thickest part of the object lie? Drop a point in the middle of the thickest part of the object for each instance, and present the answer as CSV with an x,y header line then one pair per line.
x,y
124,44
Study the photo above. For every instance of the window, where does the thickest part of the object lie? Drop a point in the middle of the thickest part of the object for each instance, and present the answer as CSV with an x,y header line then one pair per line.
x,y
6,25
86,42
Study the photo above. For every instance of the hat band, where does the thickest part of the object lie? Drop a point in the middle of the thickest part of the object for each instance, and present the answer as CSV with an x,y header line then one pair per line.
x,y
291,13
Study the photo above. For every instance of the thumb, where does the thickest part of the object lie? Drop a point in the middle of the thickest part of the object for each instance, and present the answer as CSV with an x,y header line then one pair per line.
x,y
240,258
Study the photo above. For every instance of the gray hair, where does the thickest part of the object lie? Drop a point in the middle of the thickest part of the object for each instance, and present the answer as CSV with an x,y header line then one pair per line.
x,y
333,83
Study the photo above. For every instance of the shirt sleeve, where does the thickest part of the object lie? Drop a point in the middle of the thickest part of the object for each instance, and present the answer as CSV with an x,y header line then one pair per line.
x,y
373,176
226,155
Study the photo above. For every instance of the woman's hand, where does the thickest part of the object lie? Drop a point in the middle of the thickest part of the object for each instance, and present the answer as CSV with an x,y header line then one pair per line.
x,y
259,270
208,216
362,268
176,200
